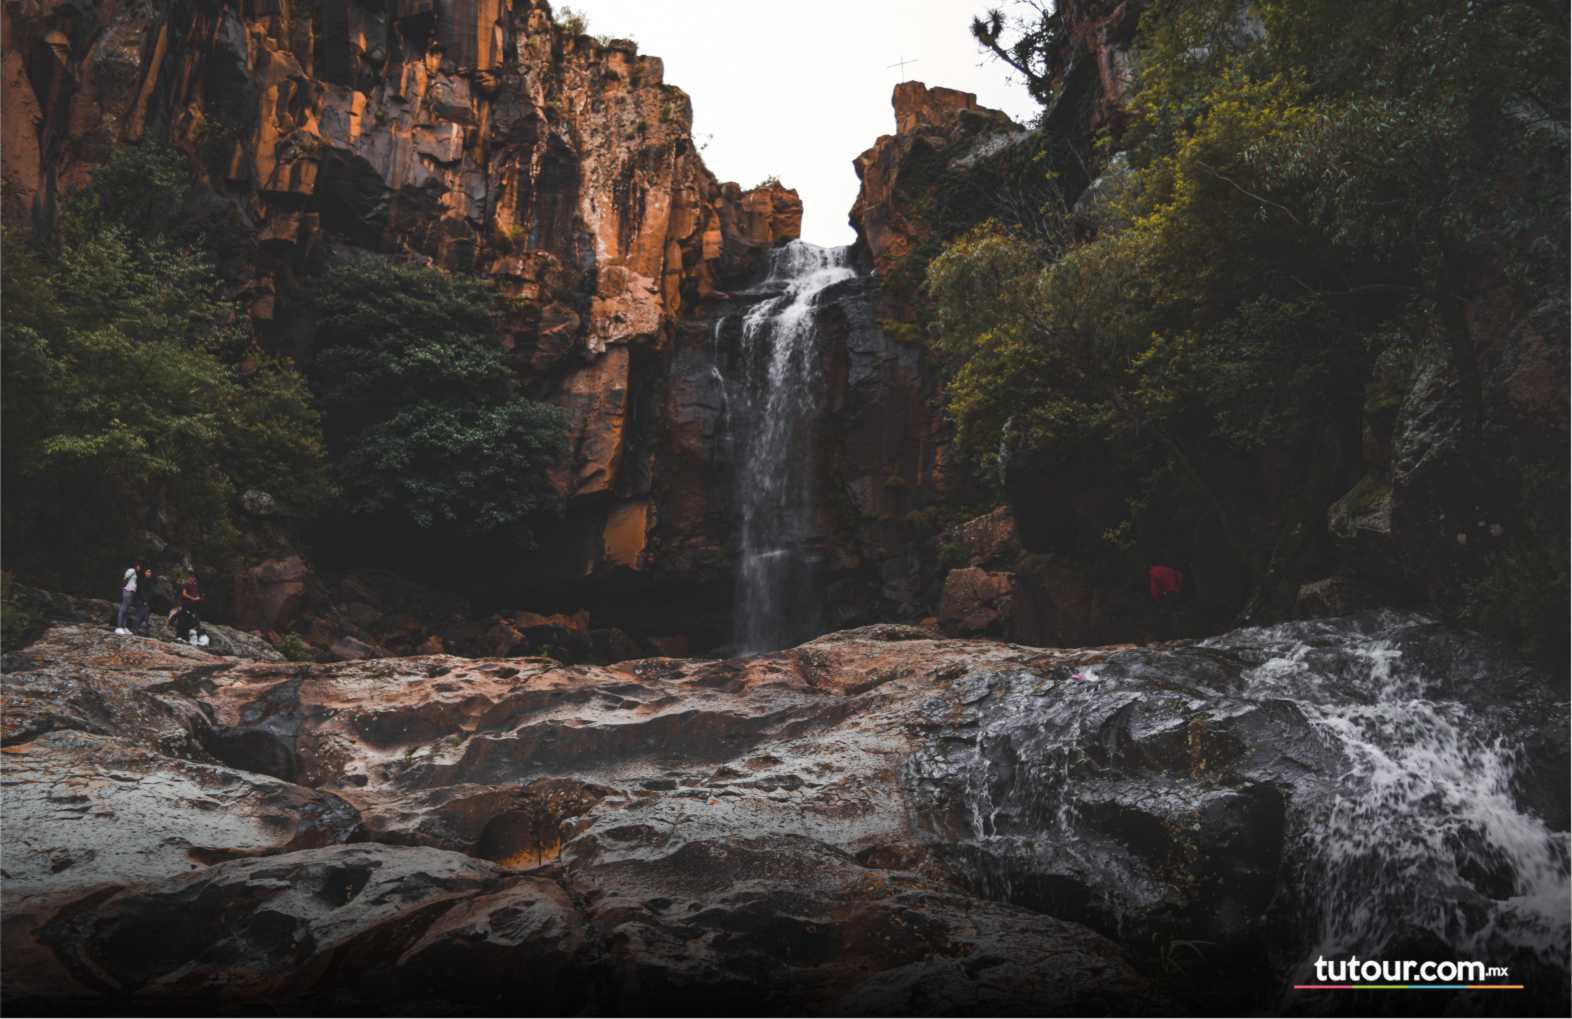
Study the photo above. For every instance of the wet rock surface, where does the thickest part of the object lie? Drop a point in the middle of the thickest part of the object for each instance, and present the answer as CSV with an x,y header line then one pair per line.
x,y
54,607
876,822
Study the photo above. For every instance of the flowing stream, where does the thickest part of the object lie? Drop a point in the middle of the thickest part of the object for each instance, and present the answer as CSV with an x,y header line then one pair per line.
x,y
776,496
1374,786
1423,830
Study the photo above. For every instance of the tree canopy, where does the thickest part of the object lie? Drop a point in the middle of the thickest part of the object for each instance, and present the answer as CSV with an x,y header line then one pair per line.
x,y
1309,196
425,427
135,396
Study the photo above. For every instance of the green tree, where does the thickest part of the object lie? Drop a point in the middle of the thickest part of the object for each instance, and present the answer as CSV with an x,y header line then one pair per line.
x,y
421,415
134,395
1028,38
1315,189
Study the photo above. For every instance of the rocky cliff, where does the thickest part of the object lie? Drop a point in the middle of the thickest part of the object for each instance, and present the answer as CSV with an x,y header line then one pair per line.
x,y
1092,69
934,127
950,165
1434,493
876,822
479,137
487,138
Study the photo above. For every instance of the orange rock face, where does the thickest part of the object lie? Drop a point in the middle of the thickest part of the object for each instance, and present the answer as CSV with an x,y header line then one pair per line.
x,y
976,602
476,135
20,120
270,595
1096,70
917,106
927,121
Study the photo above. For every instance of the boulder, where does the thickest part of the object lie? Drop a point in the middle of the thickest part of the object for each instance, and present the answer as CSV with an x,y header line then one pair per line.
x,y
258,503
766,926
105,810
1360,524
352,649
989,540
675,646
42,695
976,602
271,594
353,927
613,645
1338,596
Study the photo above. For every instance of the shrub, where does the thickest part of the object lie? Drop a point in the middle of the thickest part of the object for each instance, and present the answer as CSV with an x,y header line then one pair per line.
x,y
421,416
474,469
294,647
572,21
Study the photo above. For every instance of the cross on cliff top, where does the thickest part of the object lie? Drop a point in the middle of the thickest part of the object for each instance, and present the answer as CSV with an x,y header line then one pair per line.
x,y
901,63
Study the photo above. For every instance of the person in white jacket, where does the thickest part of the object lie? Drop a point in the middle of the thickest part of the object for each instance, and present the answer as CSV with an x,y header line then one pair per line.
x,y
127,593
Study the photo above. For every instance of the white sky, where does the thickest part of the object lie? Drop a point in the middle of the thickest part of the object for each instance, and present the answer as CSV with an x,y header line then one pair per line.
x,y
798,89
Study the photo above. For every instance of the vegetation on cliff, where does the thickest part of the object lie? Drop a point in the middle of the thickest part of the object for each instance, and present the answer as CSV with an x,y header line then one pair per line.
x,y
1312,206
135,396
421,416
138,399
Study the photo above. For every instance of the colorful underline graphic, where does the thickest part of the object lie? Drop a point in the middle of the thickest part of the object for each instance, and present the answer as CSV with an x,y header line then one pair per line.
x,y
1408,987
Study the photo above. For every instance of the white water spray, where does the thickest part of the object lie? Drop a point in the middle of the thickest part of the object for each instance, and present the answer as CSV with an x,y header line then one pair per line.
x,y
1423,816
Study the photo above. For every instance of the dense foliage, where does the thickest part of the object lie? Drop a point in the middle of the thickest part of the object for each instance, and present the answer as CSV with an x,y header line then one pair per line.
x,y
138,402
421,418
1311,198
135,398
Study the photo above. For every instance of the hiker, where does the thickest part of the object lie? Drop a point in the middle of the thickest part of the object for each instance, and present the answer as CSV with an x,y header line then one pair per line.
x,y
186,619
128,586
139,601
1164,582
1167,588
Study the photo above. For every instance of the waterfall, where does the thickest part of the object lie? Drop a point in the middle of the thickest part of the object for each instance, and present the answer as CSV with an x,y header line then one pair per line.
x,y
1372,786
1423,816
776,487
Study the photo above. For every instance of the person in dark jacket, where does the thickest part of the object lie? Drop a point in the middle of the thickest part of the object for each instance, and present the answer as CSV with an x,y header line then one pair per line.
x,y
139,601
188,620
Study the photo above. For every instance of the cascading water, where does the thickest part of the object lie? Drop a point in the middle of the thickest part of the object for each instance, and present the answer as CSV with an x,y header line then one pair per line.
x,y
1375,786
776,488
1424,831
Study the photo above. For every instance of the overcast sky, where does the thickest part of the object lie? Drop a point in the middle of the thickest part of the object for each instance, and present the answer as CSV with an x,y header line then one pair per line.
x,y
798,89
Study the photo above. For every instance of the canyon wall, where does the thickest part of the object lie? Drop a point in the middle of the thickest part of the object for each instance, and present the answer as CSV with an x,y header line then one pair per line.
x,y
478,137
492,138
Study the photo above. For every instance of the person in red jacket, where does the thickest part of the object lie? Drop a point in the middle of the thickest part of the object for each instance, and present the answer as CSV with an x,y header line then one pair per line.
x,y
1164,582
187,619
1167,589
